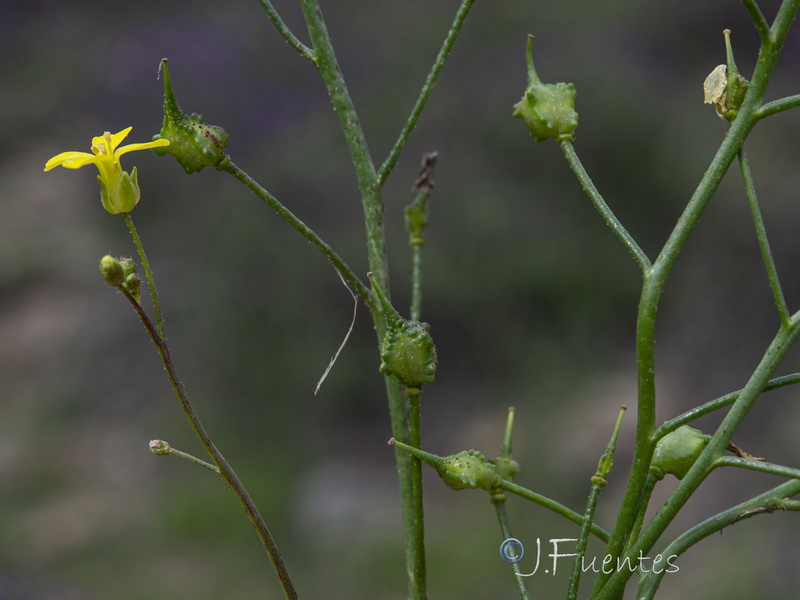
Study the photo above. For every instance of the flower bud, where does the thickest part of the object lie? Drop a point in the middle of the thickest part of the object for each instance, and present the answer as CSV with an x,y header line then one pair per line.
x,y
133,285
407,351
192,142
160,447
111,271
676,452
548,109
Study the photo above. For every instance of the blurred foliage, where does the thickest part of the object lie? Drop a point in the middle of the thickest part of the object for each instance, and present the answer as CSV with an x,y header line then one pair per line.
x,y
531,299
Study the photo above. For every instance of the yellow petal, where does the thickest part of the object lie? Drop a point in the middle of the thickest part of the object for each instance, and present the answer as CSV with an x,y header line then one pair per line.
x,y
142,146
70,160
116,138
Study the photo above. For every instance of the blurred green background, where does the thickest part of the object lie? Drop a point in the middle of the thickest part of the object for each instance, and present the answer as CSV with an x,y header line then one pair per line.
x,y
531,299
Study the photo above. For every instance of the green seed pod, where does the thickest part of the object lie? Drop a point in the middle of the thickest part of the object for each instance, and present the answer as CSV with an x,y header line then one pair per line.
x,y
676,452
507,467
548,109
407,351
468,470
194,144
111,271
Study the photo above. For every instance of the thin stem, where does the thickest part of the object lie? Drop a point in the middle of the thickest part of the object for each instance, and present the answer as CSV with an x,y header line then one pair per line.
x,y
763,241
647,493
776,106
425,92
600,204
550,504
415,552
416,215
765,503
162,448
599,481
331,74
721,402
338,262
287,34
762,27
148,274
502,516
757,465
226,471
372,204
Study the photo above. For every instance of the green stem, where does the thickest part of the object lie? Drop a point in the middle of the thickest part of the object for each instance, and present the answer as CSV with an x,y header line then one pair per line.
x,y
162,448
303,229
767,502
148,274
721,402
647,493
599,481
225,469
757,465
776,106
415,552
600,204
372,203
550,504
425,92
758,19
772,358
332,77
287,34
653,284
502,516
763,242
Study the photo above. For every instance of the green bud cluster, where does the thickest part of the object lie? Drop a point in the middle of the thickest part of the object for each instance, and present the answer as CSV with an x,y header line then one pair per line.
x,y
547,109
192,142
121,273
676,452
407,350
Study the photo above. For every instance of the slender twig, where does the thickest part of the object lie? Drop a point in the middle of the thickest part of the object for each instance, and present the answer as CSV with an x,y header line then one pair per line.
x,y
599,481
226,471
758,19
763,241
338,262
757,465
765,503
416,222
776,106
148,274
162,448
425,92
721,402
499,501
416,551
287,34
600,204
372,203
550,504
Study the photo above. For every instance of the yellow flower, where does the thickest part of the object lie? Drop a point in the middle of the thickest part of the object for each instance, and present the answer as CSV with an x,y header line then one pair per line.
x,y
119,190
